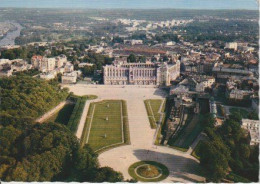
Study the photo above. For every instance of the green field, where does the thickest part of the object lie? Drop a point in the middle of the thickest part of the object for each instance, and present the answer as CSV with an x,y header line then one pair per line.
x,y
104,125
63,115
244,113
188,134
152,107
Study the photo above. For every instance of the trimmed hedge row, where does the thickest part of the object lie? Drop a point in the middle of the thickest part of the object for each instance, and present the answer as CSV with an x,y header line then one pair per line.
x,y
76,114
178,148
125,123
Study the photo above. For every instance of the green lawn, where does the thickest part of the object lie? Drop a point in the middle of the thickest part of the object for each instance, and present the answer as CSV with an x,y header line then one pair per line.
x,y
104,124
188,134
63,115
152,108
244,113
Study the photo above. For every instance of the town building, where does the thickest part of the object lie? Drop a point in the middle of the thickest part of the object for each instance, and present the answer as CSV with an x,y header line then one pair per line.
x,y
7,67
82,65
141,73
68,67
231,45
237,94
60,60
198,83
44,64
69,78
253,128
133,42
48,75
224,72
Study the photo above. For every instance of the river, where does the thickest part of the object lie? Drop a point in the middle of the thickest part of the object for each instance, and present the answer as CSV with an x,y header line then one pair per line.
x,y
10,36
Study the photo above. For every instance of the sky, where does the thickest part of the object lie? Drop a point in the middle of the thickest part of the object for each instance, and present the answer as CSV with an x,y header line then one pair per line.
x,y
133,4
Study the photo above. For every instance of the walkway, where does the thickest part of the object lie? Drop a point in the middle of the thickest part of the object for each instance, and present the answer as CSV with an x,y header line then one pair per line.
x,y
83,118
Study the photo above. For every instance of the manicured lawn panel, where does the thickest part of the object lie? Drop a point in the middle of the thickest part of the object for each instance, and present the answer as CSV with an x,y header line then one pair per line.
x,y
101,127
105,134
187,135
155,105
150,115
193,135
152,107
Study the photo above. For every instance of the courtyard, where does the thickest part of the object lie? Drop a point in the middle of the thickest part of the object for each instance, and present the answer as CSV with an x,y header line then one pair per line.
x,y
182,166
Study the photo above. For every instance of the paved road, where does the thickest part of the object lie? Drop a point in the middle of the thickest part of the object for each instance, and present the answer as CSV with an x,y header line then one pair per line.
x,y
182,166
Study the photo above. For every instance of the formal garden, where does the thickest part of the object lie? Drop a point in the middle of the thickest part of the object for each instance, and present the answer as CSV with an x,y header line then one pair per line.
x,y
106,125
148,171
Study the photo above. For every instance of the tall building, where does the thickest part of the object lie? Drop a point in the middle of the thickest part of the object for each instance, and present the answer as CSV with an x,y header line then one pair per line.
x,y
43,64
231,45
141,73
60,60
36,60
48,64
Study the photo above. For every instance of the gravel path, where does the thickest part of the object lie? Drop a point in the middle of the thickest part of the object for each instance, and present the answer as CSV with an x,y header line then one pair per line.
x,y
83,118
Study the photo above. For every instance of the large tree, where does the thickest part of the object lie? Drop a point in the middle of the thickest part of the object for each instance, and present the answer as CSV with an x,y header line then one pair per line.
x,y
131,58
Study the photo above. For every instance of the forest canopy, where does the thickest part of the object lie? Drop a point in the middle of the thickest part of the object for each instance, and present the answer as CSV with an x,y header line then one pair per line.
x,y
31,151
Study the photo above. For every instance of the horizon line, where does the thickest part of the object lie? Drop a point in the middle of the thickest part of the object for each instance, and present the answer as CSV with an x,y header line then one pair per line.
x,y
83,8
